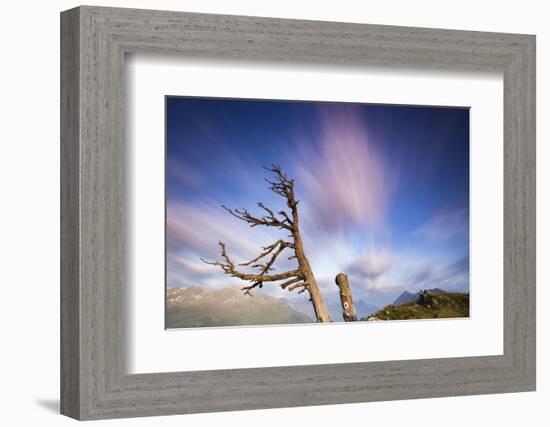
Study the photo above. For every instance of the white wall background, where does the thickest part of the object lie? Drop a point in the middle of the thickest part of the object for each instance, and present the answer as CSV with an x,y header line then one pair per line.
x,y
29,192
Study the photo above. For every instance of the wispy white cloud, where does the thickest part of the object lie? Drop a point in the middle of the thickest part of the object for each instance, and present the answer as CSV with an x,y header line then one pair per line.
x,y
343,177
447,224
193,266
428,273
372,265
372,272
185,173
200,225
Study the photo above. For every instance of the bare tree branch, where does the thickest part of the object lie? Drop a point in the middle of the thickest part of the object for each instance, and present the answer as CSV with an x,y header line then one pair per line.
x,y
283,186
285,215
298,285
284,285
271,216
257,279
265,268
269,249
268,221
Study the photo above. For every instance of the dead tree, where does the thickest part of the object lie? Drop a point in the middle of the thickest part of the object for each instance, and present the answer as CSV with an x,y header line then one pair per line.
x,y
348,309
300,278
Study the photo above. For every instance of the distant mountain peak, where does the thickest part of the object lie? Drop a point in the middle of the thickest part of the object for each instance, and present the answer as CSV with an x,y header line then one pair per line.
x,y
174,295
406,296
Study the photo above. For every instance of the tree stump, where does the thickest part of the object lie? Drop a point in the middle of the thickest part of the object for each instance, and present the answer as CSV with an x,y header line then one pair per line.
x,y
348,309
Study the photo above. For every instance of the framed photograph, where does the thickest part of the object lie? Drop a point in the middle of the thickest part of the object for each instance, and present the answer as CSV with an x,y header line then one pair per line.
x,y
327,246
262,213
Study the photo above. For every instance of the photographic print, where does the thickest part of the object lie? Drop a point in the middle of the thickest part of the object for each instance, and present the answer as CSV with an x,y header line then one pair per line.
x,y
292,212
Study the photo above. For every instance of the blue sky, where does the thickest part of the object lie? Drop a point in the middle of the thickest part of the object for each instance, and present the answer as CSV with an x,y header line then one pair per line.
x,y
383,190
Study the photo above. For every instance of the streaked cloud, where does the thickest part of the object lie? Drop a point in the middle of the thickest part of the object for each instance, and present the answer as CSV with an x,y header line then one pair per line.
x,y
428,274
446,224
371,265
200,225
342,175
186,174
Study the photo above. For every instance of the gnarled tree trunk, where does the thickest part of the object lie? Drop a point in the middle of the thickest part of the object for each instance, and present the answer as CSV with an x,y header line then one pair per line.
x,y
319,306
321,310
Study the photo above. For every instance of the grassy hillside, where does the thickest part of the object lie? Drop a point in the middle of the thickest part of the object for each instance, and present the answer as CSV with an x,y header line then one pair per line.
x,y
427,306
195,307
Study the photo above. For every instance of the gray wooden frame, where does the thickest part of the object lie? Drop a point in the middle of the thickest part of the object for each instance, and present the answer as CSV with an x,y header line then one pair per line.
x,y
94,382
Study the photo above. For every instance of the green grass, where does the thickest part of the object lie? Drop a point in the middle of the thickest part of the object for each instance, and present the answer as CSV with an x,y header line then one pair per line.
x,y
432,306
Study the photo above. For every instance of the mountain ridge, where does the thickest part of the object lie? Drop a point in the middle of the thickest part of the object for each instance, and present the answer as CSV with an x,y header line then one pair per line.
x,y
192,307
407,296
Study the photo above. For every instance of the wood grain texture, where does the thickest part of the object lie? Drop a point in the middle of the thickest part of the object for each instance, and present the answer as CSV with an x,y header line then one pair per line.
x,y
94,381
70,292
